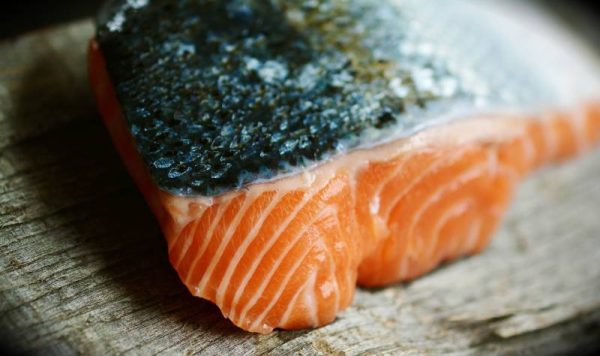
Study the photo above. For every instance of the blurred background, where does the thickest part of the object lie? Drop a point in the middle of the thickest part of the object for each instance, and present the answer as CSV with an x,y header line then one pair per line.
x,y
26,15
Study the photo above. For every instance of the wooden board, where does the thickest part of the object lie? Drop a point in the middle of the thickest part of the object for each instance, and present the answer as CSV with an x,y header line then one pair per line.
x,y
83,266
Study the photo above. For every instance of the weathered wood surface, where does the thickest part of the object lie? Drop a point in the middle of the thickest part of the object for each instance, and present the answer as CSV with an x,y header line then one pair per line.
x,y
83,267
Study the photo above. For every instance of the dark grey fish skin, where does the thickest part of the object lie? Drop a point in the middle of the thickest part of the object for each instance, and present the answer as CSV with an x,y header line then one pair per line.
x,y
222,93
219,94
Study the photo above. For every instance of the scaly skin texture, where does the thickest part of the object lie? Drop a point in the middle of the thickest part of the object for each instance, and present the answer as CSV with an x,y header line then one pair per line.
x,y
289,253
219,94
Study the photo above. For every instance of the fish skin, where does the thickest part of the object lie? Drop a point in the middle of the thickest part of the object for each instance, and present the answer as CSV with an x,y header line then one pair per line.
x,y
410,205
285,90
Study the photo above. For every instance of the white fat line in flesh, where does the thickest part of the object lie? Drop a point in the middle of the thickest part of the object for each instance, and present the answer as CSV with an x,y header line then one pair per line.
x,y
376,199
333,267
249,199
189,240
374,205
241,250
474,235
452,212
292,305
493,166
310,299
189,235
308,302
342,245
352,187
331,191
529,151
455,244
439,193
433,167
250,272
184,249
452,247
332,286
327,210
221,209
352,181
277,296
549,137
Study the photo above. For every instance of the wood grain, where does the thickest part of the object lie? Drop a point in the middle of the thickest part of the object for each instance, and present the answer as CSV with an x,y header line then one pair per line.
x,y
83,266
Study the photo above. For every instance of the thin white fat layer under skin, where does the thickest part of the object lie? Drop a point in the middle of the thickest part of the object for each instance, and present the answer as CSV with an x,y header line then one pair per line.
x,y
532,61
485,128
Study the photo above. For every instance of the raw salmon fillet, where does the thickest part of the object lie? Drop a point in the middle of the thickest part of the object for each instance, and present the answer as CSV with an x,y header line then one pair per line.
x,y
427,182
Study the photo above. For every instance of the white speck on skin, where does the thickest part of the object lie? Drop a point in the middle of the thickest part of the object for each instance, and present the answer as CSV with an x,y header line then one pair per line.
x,y
252,63
295,16
448,87
397,88
423,79
341,79
309,77
273,71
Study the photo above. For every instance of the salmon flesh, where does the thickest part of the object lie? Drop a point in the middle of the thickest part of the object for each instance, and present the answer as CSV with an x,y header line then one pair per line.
x,y
293,149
